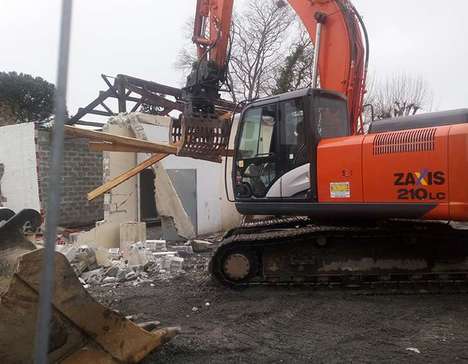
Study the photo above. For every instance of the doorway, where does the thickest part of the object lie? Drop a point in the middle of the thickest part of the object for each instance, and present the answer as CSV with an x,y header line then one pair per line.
x,y
148,211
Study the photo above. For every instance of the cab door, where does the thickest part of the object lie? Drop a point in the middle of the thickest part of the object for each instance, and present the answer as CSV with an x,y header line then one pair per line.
x,y
256,160
293,166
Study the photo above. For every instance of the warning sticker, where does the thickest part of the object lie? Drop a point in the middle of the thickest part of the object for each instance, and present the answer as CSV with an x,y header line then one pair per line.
x,y
340,190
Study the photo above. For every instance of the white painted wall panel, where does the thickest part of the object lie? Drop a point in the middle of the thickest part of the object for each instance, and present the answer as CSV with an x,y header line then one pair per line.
x,y
19,184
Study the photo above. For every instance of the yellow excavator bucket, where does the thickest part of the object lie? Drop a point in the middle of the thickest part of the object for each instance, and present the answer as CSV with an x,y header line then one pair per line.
x,y
82,330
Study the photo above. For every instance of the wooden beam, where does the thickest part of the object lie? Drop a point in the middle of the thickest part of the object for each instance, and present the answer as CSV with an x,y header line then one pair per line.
x,y
132,142
83,111
113,147
125,176
90,123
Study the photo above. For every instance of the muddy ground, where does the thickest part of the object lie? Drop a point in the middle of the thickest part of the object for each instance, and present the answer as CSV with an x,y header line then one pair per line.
x,y
293,325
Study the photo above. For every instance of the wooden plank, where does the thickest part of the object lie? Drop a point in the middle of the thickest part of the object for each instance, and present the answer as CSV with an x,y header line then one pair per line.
x,y
114,147
94,124
132,142
125,176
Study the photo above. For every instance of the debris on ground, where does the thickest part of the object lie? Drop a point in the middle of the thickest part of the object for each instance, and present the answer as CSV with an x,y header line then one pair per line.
x,y
183,250
201,246
282,324
141,262
85,259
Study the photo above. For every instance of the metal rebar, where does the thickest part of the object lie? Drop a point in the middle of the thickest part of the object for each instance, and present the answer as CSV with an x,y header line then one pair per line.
x,y
54,191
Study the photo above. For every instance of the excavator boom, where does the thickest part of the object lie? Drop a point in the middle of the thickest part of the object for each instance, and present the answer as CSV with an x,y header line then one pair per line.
x,y
335,28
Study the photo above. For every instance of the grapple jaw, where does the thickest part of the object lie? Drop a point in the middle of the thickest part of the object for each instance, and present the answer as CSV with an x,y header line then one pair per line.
x,y
201,135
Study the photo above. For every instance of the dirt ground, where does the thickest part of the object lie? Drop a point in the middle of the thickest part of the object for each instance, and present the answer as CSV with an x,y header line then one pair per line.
x,y
293,325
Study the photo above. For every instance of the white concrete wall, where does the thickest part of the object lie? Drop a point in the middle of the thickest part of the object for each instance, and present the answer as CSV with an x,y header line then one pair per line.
x,y
121,204
229,216
19,184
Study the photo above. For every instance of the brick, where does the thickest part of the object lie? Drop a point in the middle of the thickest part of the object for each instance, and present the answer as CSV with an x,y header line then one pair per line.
x,y
83,171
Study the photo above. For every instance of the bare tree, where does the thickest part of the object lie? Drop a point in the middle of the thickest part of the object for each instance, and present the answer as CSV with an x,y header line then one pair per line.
x,y
399,95
188,54
259,35
258,46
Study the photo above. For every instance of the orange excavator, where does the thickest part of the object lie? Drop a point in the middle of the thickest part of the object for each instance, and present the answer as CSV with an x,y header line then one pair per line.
x,y
344,205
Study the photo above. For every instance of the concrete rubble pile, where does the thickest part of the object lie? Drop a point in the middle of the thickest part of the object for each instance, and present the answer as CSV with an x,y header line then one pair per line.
x,y
141,262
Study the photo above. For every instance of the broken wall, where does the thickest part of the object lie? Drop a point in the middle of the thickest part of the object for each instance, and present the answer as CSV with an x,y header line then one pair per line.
x,y
120,204
82,172
214,212
174,213
177,180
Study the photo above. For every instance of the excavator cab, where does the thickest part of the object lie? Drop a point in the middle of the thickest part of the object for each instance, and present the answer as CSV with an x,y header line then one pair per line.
x,y
276,145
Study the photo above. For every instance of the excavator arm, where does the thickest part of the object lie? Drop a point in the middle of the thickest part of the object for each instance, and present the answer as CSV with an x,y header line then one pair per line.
x,y
211,30
340,65
343,53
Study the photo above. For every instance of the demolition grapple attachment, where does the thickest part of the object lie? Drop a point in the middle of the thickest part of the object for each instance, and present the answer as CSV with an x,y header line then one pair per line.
x,y
201,135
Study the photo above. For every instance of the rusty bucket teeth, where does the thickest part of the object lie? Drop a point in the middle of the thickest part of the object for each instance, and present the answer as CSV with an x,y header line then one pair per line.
x,y
82,330
201,136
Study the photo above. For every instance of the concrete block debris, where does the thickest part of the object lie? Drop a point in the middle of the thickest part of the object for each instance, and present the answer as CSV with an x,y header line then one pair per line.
x,y
113,271
68,250
142,262
85,259
131,233
146,261
131,276
176,264
414,350
156,245
137,254
94,276
82,258
183,250
114,253
201,246
73,237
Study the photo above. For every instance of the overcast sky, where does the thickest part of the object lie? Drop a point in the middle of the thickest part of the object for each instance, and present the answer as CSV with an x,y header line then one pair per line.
x,y
143,37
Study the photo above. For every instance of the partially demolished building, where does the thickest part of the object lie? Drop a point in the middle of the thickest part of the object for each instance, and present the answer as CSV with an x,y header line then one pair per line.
x,y
187,196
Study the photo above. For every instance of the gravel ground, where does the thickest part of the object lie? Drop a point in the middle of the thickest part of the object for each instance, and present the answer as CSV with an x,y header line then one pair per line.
x,y
293,325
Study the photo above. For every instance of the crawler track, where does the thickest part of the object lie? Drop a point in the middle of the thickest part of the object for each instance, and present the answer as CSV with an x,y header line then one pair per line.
x,y
396,256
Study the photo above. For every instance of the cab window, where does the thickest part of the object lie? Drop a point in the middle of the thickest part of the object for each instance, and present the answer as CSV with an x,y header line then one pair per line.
x,y
293,148
331,115
256,156
257,132
250,130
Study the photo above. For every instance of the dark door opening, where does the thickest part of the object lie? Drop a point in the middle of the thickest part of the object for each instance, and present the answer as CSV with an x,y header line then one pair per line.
x,y
148,211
